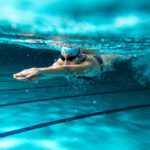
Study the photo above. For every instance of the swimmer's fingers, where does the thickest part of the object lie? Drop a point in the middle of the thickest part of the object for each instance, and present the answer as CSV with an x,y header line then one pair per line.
x,y
16,75
27,73
32,72
19,76
26,77
23,77
31,77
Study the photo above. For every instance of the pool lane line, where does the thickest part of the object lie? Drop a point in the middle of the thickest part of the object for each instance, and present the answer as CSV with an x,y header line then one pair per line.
x,y
71,96
37,126
31,88
64,85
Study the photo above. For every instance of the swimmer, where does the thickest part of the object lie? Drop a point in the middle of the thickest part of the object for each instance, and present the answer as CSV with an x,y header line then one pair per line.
x,y
74,62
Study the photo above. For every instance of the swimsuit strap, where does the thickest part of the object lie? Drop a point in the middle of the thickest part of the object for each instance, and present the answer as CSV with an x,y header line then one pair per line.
x,y
97,57
100,60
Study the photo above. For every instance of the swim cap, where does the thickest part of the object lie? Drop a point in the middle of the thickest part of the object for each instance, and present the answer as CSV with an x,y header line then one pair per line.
x,y
73,51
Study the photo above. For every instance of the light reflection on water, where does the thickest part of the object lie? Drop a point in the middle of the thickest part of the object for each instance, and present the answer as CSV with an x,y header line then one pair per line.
x,y
108,45
114,27
74,17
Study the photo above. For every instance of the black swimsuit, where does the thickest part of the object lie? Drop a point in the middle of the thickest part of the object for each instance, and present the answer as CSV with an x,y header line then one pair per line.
x,y
99,60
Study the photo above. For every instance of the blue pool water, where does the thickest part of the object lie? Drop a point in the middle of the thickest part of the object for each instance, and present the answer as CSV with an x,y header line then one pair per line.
x,y
109,112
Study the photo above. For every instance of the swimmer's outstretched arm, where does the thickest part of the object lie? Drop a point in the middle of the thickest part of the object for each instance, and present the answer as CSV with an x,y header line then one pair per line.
x,y
70,70
54,71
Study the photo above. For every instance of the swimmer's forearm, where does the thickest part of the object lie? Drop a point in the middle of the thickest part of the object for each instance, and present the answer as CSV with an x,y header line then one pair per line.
x,y
62,71
59,71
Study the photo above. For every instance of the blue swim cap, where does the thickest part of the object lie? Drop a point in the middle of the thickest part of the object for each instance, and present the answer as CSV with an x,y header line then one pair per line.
x,y
73,51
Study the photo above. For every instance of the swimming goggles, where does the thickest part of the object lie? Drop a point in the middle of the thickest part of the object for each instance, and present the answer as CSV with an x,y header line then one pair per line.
x,y
69,58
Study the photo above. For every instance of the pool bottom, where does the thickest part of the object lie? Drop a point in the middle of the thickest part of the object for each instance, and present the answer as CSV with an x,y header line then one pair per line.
x,y
120,130
124,130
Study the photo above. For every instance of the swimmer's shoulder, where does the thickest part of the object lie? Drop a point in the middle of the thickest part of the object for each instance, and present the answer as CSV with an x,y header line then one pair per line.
x,y
91,60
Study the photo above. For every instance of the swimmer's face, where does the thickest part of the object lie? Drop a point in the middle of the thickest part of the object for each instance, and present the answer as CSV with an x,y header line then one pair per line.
x,y
69,59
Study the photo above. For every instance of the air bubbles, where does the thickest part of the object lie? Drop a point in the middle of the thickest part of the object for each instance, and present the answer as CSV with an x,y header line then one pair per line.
x,y
75,139
27,91
102,40
94,102
75,110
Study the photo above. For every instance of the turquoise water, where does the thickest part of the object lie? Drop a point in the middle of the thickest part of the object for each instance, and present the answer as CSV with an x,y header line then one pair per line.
x,y
108,112
64,17
111,112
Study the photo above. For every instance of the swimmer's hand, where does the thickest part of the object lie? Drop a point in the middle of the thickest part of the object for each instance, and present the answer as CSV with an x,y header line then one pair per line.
x,y
28,74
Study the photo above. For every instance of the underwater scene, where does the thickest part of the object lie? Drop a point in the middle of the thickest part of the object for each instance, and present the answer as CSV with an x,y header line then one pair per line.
x,y
66,106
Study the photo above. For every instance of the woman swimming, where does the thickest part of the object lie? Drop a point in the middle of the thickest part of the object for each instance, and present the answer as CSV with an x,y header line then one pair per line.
x,y
72,62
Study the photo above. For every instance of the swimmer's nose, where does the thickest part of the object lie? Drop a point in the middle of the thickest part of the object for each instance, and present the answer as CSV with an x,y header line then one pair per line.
x,y
66,62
